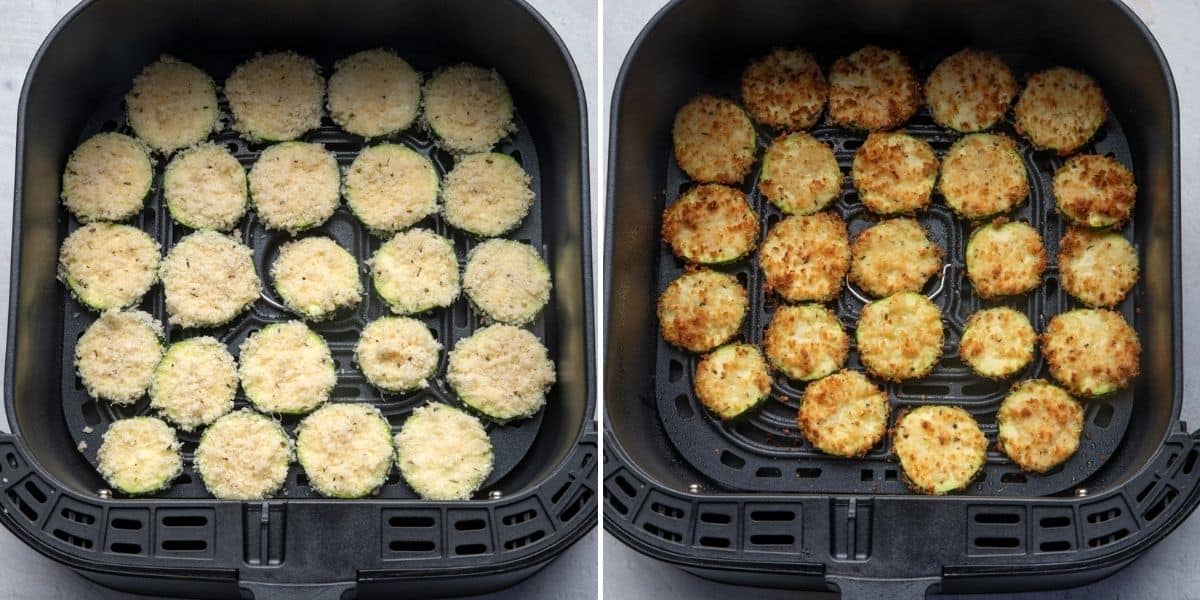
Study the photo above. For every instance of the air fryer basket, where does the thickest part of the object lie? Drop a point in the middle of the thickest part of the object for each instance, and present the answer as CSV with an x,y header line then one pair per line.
x,y
710,496
541,495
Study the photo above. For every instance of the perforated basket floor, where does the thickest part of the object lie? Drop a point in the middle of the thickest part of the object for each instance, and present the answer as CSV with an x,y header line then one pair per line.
x,y
765,451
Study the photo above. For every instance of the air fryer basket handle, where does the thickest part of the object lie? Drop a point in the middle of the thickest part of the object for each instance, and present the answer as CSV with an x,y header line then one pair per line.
x,y
261,591
882,589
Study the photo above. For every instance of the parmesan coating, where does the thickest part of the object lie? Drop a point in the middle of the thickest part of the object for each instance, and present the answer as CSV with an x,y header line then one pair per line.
x,y
390,187
194,383
415,271
286,368
1060,109
732,380
501,371
208,279
397,354
1092,352
800,174
345,449
115,357
714,140
107,178
982,176
139,456
295,186
316,277
1039,425
244,456
997,342
205,188
468,108
374,93
873,89
275,97
108,265
843,414
785,89
894,173
894,256
1005,258
710,224
900,337
443,453
941,448
701,310
1097,191
486,194
806,342
172,105
1097,267
970,91
805,258
507,281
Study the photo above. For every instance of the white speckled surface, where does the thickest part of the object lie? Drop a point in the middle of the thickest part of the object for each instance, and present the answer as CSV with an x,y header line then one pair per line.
x,y
29,576
1166,571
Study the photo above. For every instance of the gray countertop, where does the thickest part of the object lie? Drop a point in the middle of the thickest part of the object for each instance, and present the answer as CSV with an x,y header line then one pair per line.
x,y
1167,570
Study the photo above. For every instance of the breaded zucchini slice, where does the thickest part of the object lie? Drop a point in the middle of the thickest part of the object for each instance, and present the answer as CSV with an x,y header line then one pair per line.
x,y
486,194
415,271
1039,425
894,173
107,178
194,383
345,449
710,224
390,187
507,281
1094,190
172,105
900,337
397,354
276,97
295,186
116,355
501,371
286,368
701,310
374,93
316,278
1091,351
805,258
139,456
714,140
468,108
244,456
443,453
1097,267
806,341
983,176
205,188
208,279
108,265
843,414
800,174
873,89
997,342
894,256
1060,109
970,91
941,448
732,380
1005,258
785,89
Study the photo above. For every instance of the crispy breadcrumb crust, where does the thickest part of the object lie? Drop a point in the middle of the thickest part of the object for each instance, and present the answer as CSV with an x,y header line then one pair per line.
x,y
732,380
806,341
785,89
800,174
1005,258
805,258
894,256
1098,267
714,140
1060,109
983,175
997,342
1039,425
941,448
701,310
873,89
894,173
843,414
900,337
710,224
1094,190
970,91
1091,351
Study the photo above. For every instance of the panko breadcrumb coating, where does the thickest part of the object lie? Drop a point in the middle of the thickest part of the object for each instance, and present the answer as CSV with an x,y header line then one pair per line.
x,y
894,256
970,91
1098,267
116,355
894,173
1096,191
1005,258
941,448
714,140
701,310
732,380
172,105
1092,352
785,89
800,174
900,337
710,224
843,414
873,89
806,341
982,176
374,93
443,453
997,342
468,108
1060,109
276,97
805,258
107,178
108,265
1039,425
501,371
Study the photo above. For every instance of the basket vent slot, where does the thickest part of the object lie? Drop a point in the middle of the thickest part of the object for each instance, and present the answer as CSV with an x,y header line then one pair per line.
x,y
128,531
1104,416
1104,515
1055,546
670,512
669,536
470,525
808,472
768,472
715,542
996,530
73,540
997,542
1189,463
516,518
1107,538
475,538
524,540
997,518
1159,506
125,548
1054,522
772,527
185,532
582,497
715,518
414,533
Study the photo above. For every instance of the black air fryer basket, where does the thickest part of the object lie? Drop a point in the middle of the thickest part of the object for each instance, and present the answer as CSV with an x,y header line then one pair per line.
x,y
541,496
750,501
